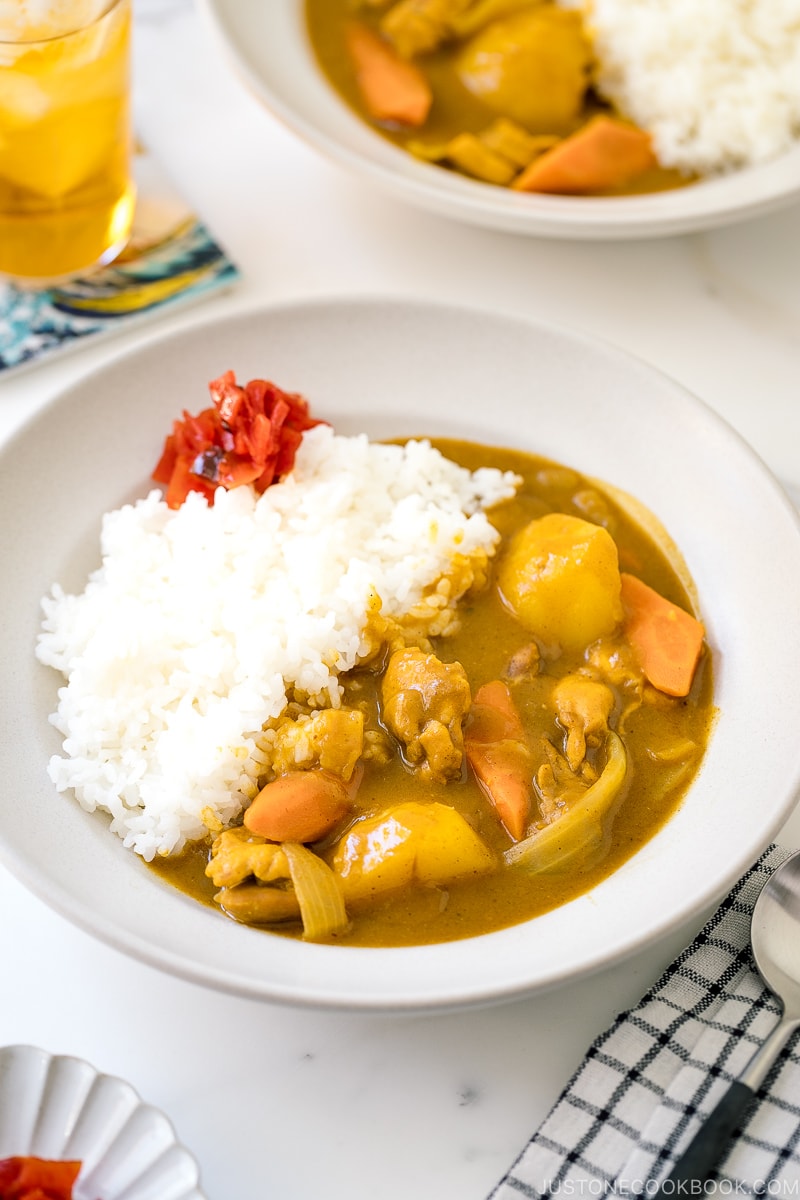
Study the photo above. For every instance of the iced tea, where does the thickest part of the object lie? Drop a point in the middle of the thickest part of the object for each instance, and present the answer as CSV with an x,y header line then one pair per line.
x,y
66,196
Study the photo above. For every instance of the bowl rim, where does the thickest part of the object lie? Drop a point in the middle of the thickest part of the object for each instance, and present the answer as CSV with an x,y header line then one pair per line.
x,y
370,993
741,195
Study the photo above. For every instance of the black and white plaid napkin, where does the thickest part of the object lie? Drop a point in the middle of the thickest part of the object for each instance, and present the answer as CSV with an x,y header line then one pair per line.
x,y
647,1082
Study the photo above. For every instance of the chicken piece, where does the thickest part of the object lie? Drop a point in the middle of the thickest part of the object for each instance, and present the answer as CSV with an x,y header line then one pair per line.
x,y
255,905
236,855
557,786
616,663
514,143
523,664
583,706
468,154
311,893
378,747
425,702
481,12
493,156
420,26
532,67
578,834
332,738
594,506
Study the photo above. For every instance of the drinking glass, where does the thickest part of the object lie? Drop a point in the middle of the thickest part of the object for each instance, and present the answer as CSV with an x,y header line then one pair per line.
x,y
66,191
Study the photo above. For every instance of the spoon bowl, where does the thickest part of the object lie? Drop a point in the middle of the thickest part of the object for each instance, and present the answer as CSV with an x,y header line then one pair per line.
x,y
775,943
775,935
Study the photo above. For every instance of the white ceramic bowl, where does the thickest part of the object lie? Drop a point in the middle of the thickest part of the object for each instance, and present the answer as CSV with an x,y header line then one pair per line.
x,y
59,1107
397,369
268,46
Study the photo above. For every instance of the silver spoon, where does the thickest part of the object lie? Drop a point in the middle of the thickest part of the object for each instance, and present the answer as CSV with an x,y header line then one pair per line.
x,y
775,939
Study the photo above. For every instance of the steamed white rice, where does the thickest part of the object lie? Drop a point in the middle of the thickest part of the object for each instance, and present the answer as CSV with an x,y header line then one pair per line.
x,y
715,82
202,621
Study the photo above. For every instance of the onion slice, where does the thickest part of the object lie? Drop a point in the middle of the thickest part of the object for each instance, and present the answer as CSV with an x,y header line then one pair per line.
x,y
579,830
318,892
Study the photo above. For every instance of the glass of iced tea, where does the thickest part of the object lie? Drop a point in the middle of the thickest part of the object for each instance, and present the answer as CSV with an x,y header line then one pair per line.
x,y
66,190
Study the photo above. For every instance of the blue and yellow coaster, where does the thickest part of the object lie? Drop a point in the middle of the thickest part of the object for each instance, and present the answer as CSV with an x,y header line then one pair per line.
x,y
171,259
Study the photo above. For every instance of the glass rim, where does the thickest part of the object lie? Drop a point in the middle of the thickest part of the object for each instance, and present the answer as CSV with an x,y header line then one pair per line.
x,y
64,33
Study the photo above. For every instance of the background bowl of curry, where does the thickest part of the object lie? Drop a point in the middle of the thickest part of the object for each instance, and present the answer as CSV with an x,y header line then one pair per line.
x,y
269,47
397,369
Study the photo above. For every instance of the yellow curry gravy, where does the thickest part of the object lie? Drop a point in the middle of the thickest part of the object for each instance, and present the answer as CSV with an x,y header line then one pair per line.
x,y
656,736
455,110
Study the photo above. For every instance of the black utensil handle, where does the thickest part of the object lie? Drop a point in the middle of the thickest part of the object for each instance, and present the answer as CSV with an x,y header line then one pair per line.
x,y
707,1146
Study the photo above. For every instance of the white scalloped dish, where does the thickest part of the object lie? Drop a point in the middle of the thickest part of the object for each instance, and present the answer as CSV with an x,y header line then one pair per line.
x,y
59,1107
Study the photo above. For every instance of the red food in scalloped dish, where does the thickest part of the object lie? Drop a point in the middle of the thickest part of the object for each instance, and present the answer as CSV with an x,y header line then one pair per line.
x,y
29,1178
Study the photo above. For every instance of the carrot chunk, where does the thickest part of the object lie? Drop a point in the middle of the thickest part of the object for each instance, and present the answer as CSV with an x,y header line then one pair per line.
x,y
497,752
392,89
667,639
603,155
301,806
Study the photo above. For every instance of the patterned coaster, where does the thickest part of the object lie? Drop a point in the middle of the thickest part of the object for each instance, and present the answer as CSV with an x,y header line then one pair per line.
x,y
171,259
646,1084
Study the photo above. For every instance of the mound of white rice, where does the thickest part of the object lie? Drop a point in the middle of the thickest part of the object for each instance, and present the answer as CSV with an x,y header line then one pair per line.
x,y
187,638
715,82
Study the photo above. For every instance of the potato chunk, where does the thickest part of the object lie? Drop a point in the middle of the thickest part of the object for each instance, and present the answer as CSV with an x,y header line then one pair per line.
x,y
532,67
423,843
561,580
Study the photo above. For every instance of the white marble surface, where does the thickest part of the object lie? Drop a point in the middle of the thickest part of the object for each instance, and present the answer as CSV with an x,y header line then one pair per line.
x,y
299,1104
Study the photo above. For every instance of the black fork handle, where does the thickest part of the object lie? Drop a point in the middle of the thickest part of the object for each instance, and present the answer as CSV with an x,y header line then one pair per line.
x,y
711,1140
709,1143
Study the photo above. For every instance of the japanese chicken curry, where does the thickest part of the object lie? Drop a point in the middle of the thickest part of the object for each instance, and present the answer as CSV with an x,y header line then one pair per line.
x,y
499,90
479,774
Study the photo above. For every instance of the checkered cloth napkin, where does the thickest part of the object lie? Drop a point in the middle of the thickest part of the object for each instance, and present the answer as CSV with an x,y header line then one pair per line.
x,y
645,1085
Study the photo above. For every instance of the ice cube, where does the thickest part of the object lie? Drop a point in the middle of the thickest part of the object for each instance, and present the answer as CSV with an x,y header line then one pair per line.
x,y
22,99
27,20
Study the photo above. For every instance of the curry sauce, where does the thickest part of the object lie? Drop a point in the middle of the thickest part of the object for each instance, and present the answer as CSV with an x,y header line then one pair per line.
x,y
664,736
494,96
